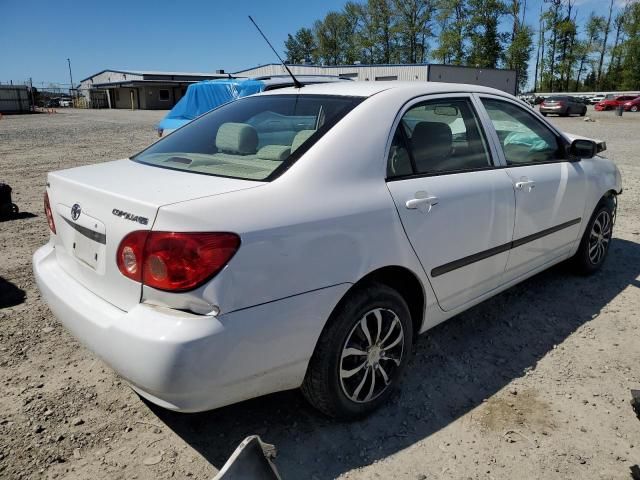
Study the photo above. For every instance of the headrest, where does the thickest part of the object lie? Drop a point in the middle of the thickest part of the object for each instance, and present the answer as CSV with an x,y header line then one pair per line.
x,y
237,138
274,152
301,137
431,142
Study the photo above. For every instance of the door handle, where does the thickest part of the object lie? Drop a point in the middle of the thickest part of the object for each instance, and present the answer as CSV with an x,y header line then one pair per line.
x,y
416,202
525,183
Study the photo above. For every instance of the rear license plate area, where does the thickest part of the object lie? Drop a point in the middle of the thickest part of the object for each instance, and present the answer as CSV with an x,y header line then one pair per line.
x,y
86,250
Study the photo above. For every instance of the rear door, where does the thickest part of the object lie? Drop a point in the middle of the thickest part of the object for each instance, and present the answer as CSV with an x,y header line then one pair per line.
x,y
456,207
550,189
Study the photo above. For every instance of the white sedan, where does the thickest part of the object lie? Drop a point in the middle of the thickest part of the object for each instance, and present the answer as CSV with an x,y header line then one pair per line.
x,y
304,238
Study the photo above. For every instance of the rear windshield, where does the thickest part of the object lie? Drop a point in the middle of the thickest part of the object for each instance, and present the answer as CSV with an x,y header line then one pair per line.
x,y
557,99
253,138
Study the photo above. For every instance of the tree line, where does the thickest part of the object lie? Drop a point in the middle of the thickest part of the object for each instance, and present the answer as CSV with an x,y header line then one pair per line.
x,y
602,54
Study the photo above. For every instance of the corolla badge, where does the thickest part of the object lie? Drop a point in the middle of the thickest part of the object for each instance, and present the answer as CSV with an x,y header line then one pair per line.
x,y
76,211
130,216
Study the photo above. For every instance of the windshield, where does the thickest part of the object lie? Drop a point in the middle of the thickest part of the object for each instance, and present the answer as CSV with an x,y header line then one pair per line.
x,y
253,138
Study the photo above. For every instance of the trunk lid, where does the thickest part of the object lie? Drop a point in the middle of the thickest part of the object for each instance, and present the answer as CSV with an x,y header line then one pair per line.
x,y
94,207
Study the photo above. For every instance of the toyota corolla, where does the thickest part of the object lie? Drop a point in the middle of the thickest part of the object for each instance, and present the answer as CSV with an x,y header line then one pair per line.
x,y
306,237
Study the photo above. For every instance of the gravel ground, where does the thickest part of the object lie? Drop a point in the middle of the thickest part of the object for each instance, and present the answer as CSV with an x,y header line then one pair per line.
x,y
533,383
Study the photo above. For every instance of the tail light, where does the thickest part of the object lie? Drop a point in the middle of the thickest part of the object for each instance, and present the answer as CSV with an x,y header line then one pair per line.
x,y
175,261
49,213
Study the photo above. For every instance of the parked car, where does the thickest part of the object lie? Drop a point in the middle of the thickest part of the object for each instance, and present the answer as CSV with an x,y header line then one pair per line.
x,y
613,102
563,105
286,240
597,98
52,103
632,105
66,102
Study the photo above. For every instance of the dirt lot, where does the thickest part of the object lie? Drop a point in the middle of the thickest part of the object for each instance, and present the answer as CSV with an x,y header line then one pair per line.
x,y
533,383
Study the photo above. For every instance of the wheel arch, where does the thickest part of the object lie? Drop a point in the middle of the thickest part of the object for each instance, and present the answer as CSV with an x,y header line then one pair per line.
x,y
612,197
402,280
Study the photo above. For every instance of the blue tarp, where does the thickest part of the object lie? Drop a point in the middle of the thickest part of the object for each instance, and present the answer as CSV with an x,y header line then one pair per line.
x,y
207,95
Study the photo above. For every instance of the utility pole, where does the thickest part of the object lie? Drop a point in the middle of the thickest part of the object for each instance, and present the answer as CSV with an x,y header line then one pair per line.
x,y
70,77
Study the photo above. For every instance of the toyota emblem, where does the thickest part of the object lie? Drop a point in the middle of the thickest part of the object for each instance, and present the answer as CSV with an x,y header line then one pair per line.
x,y
76,211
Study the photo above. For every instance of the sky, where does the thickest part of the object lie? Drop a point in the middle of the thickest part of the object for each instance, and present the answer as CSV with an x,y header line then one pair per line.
x,y
37,37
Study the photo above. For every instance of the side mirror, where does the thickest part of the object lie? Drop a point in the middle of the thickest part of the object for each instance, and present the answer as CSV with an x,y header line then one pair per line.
x,y
582,148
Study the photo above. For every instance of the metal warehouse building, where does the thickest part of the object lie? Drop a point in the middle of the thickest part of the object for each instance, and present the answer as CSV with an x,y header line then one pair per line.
x,y
501,79
136,89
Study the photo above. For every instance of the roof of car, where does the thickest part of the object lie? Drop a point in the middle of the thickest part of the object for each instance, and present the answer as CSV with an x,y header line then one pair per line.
x,y
367,89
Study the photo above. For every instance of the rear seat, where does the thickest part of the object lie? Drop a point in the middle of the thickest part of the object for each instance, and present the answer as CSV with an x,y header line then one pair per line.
x,y
240,142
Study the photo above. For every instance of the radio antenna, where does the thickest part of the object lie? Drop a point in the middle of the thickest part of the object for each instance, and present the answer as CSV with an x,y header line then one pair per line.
x,y
296,83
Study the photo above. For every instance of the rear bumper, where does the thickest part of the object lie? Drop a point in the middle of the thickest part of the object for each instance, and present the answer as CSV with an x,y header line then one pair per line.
x,y
558,110
188,362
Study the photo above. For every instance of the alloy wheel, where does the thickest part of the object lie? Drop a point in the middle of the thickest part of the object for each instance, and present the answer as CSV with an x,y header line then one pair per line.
x,y
371,355
599,237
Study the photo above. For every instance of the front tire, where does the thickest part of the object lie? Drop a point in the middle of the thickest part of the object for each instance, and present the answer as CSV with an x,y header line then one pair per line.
x,y
596,239
634,108
361,354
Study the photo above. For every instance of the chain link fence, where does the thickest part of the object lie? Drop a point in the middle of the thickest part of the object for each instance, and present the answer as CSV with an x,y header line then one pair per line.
x,y
25,96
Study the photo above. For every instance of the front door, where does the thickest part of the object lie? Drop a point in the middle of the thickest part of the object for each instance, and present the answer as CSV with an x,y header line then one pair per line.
x,y
550,189
456,208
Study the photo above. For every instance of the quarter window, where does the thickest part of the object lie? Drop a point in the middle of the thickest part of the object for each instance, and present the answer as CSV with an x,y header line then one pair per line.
x,y
438,136
524,139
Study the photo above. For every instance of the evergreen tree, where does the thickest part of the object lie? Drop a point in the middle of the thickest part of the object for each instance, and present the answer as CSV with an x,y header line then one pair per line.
x,y
520,46
485,50
452,18
631,48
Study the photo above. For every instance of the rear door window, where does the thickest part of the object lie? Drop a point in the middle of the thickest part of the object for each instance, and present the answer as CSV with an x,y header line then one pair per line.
x,y
438,136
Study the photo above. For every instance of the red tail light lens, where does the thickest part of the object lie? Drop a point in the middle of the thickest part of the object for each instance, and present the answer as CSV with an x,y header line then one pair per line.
x,y
130,255
49,213
175,261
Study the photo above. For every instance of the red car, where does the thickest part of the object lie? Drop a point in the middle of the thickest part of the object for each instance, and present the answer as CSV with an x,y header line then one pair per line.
x,y
613,102
632,105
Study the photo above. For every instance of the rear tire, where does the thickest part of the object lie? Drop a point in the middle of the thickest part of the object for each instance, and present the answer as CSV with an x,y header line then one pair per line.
x,y
361,354
596,239
543,114
584,112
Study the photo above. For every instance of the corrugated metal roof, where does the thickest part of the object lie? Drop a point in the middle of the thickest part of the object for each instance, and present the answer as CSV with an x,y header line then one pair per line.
x,y
154,72
310,65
